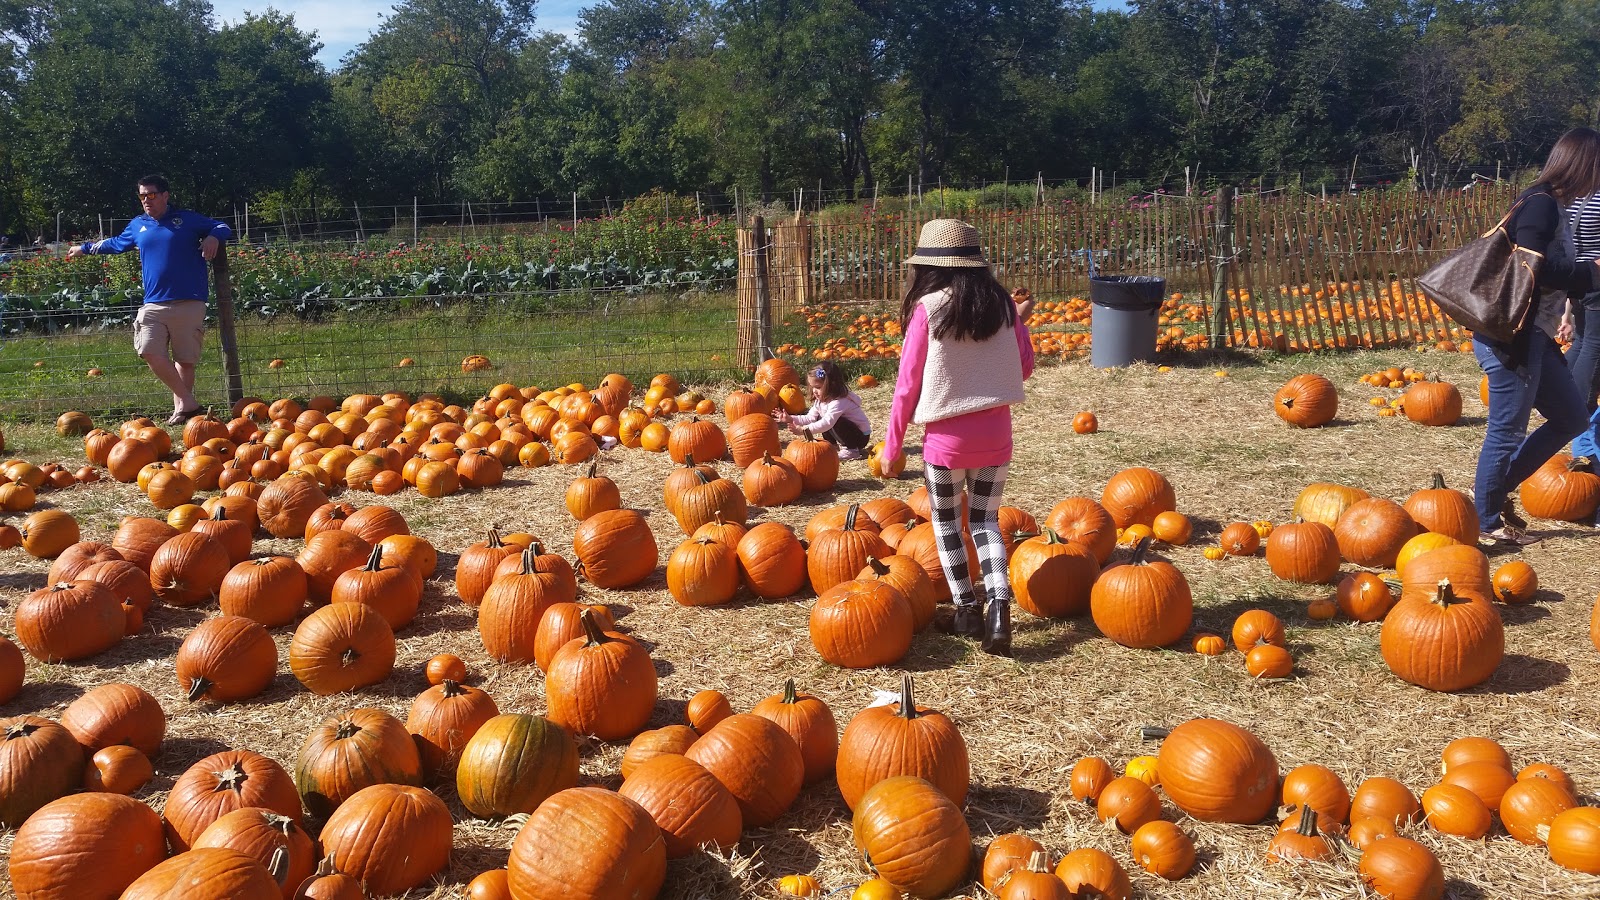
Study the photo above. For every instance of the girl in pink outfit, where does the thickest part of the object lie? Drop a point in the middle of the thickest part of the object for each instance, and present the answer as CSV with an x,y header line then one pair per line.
x,y
965,356
835,413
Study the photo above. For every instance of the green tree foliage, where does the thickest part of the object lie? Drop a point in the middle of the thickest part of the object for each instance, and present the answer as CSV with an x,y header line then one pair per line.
x,y
468,99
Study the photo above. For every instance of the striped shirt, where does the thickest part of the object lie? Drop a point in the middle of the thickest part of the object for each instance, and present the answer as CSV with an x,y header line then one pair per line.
x,y
1585,225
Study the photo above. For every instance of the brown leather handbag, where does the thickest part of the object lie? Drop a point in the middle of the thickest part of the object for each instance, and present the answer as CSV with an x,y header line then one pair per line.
x,y
1487,286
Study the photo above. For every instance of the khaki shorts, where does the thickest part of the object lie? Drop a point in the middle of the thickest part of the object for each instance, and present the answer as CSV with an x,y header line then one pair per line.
x,y
176,324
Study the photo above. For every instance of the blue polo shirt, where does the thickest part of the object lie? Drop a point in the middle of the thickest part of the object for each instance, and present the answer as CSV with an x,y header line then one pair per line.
x,y
169,252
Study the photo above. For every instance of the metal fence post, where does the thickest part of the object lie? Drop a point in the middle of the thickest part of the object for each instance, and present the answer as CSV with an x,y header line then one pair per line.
x,y
1222,261
233,381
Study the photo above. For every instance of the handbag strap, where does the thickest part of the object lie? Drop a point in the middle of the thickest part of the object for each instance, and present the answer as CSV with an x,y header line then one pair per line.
x,y
1506,218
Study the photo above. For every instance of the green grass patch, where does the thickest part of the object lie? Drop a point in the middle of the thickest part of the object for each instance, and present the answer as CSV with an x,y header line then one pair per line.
x,y
693,336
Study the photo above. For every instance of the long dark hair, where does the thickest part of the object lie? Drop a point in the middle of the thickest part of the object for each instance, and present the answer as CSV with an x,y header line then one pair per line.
x,y
832,377
1573,168
979,306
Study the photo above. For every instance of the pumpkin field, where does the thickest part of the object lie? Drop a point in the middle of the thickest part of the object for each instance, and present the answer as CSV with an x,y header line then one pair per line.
x,y
521,617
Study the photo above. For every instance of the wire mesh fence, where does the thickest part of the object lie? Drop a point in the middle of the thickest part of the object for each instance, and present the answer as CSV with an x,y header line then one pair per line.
x,y
705,299
415,344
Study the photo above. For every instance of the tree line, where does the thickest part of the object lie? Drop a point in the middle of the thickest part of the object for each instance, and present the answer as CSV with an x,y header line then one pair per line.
x,y
453,99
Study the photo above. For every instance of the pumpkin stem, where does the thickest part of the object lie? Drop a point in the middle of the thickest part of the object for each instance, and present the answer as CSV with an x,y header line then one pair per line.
x,y
198,688
1139,551
494,538
594,636
528,557
908,704
20,730
448,688
1051,536
788,693
1445,593
232,778
324,869
1438,481
1308,822
349,656
1153,733
878,567
347,729
278,865
374,559
592,467
850,517
1039,861
220,514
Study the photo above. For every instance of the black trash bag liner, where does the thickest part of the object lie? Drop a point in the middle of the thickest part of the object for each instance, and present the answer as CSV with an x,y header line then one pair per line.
x,y
1129,292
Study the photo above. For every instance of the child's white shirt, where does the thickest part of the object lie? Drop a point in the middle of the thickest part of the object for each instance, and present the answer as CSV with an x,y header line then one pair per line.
x,y
824,414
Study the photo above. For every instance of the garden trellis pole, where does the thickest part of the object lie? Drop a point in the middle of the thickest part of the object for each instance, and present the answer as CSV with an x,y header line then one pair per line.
x,y
763,242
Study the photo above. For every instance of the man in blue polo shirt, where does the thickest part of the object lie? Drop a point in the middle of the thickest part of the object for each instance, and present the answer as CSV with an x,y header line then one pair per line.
x,y
174,246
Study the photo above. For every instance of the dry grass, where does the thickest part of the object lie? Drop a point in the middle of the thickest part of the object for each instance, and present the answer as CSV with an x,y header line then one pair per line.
x,y
1068,693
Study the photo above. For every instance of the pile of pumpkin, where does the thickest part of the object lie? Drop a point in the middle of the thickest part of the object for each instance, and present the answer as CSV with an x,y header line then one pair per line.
x,y
1443,633
1311,400
21,481
382,444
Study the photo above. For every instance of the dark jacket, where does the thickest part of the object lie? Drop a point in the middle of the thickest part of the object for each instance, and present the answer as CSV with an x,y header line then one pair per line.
x,y
1536,225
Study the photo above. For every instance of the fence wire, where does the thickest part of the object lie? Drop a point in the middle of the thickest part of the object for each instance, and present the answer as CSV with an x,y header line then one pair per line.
x,y
1302,273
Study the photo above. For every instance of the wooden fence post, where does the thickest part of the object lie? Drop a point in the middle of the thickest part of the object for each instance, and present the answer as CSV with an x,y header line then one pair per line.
x,y
1222,254
755,295
233,381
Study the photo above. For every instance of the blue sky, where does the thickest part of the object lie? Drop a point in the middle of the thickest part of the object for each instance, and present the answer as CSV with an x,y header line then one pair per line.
x,y
342,24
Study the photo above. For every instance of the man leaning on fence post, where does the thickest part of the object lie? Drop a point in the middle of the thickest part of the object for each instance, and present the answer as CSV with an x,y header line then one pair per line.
x,y
174,246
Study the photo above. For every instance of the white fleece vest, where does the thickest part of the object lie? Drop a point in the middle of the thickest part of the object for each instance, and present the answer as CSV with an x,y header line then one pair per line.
x,y
962,376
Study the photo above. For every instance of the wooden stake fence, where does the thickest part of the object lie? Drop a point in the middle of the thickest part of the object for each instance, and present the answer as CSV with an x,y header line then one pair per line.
x,y
1290,272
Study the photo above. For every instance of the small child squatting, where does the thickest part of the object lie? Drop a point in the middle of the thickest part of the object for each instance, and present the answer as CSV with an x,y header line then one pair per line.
x,y
835,413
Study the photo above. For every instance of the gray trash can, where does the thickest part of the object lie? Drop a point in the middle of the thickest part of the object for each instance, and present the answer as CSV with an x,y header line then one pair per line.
x,y
1122,324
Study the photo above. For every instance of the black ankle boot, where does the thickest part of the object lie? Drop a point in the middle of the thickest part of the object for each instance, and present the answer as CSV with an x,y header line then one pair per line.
x,y
997,628
966,620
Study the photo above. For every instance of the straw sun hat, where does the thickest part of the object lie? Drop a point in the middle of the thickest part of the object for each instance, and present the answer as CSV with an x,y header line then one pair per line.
x,y
948,242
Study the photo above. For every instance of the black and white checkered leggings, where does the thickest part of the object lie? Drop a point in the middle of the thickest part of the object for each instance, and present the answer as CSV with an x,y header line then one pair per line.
x,y
983,488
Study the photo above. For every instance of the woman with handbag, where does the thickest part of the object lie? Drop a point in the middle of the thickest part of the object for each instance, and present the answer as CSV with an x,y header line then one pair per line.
x,y
1529,372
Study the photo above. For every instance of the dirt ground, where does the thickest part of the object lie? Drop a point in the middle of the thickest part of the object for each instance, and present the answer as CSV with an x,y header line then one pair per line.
x,y
1068,693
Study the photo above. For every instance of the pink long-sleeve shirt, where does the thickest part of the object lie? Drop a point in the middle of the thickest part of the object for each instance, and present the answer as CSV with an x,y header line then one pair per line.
x,y
971,441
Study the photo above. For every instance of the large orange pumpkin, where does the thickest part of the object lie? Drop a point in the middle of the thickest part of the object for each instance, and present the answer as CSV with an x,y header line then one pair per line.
x,y
1137,496
602,684
687,802
85,845
914,836
392,837
862,623
1442,640
1218,772
1143,604
588,843
615,548
903,739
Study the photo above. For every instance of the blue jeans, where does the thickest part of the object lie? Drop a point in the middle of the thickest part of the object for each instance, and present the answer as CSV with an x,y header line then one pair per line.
x,y
1584,361
1509,453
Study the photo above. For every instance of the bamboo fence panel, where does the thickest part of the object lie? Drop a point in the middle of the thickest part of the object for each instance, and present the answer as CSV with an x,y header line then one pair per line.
x,y
1308,272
